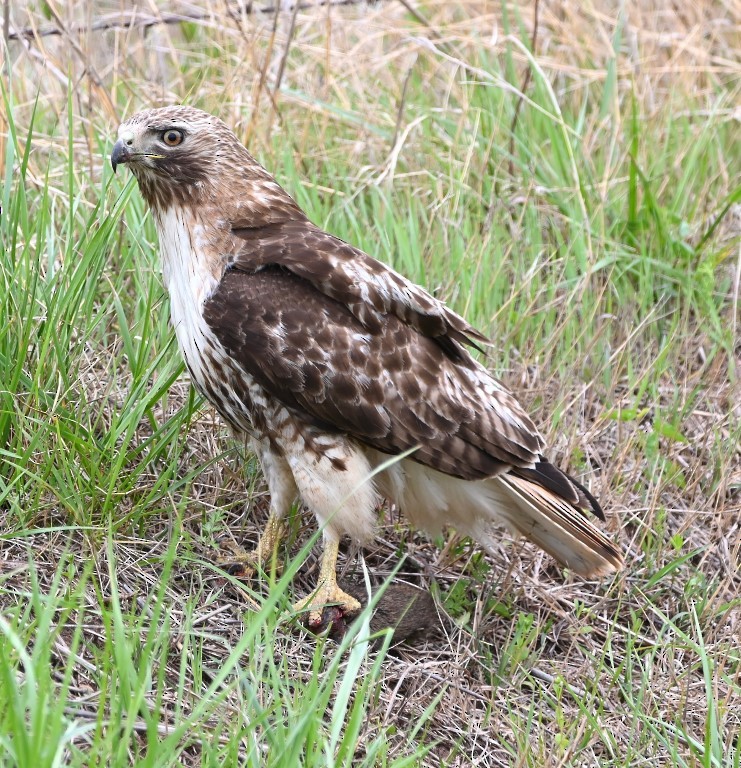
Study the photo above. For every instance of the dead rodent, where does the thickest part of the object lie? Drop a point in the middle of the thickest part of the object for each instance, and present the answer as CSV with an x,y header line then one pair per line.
x,y
408,610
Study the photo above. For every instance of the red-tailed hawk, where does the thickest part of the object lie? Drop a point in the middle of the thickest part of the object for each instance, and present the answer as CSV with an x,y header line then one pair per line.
x,y
333,363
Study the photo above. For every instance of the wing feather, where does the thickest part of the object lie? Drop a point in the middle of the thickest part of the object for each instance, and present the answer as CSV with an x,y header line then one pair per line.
x,y
370,289
389,386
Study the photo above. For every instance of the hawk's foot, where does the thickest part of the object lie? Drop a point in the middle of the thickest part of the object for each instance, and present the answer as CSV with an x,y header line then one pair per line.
x,y
237,561
326,605
245,564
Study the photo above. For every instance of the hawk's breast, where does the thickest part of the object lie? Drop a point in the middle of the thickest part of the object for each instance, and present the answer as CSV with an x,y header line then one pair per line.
x,y
190,275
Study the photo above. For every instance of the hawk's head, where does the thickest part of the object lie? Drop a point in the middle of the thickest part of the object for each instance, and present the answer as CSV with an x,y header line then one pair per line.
x,y
176,153
184,157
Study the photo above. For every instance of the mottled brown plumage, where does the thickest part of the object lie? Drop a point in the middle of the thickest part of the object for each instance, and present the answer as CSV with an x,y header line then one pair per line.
x,y
333,363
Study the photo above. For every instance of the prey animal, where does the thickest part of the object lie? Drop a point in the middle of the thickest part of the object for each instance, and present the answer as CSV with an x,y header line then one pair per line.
x,y
332,364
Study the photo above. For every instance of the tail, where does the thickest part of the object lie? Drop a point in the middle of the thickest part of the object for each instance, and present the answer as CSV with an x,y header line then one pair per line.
x,y
561,527
541,503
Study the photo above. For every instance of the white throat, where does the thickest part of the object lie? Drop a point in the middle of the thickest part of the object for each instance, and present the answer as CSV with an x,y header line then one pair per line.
x,y
190,280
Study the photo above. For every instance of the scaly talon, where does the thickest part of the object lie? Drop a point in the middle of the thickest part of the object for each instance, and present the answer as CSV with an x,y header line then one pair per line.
x,y
327,592
243,564
325,596
236,560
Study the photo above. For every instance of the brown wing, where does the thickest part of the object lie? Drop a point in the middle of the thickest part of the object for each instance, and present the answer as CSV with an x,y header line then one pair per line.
x,y
370,289
383,382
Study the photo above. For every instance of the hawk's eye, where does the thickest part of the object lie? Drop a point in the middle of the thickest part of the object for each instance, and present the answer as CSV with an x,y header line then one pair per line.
x,y
171,137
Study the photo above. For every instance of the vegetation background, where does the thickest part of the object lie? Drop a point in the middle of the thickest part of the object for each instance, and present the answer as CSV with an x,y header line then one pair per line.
x,y
567,175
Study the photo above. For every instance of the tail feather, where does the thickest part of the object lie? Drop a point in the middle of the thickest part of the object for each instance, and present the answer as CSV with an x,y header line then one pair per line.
x,y
560,529
547,475
527,505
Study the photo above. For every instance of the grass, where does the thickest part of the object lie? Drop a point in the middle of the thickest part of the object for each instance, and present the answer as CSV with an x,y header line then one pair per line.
x,y
598,243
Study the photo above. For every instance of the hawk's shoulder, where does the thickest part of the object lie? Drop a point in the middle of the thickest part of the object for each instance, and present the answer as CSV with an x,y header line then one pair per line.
x,y
367,287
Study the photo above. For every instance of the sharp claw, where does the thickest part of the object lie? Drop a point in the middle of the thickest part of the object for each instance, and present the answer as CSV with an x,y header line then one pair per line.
x,y
329,607
243,571
237,561
245,565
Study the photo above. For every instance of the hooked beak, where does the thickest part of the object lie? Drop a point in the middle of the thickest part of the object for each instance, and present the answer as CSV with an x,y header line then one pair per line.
x,y
119,155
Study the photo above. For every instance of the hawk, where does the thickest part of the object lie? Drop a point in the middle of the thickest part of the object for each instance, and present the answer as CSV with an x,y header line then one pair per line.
x,y
352,383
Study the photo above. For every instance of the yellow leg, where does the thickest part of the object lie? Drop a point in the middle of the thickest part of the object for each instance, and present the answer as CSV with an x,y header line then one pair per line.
x,y
243,563
267,545
327,591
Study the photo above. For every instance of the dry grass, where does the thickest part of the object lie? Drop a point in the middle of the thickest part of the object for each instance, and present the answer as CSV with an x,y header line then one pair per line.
x,y
642,399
